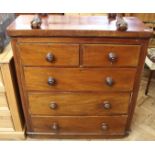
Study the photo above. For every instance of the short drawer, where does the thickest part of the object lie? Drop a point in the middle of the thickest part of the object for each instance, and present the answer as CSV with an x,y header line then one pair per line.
x,y
110,55
79,79
1,83
80,125
72,104
48,54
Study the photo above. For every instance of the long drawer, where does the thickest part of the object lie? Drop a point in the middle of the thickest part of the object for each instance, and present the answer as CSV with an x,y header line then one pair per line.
x,y
86,125
110,55
79,79
71,104
48,54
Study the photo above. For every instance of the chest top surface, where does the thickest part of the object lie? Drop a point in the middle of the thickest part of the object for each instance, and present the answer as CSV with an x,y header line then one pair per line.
x,y
74,26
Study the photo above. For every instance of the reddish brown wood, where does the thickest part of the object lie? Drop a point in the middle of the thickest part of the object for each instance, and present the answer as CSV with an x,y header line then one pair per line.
x,y
78,26
98,55
79,125
73,104
34,54
78,79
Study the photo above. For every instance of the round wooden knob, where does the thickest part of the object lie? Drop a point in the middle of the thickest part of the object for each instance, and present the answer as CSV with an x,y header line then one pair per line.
x,y
109,81
104,126
51,81
106,105
55,127
50,57
112,57
36,22
53,105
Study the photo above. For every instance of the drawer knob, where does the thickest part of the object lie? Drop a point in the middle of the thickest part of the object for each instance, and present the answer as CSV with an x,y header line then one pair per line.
x,y
51,81
106,105
53,105
109,81
112,57
104,126
55,127
50,57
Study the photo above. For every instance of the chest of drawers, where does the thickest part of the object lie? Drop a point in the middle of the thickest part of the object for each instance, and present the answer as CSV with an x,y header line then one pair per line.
x,y
78,76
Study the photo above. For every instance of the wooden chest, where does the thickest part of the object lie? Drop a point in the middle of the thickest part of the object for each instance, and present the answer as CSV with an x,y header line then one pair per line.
x,y
11,122
78,76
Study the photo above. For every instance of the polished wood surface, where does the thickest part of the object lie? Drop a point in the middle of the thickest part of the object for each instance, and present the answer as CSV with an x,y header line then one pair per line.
x,y
78,79
97,55
69,104
62,100
34,54
75,125
90,26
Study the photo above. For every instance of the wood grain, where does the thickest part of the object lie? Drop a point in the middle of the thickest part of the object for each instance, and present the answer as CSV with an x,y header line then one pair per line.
x,y
34,54
78,79
72,104
75,125
87,26
97,55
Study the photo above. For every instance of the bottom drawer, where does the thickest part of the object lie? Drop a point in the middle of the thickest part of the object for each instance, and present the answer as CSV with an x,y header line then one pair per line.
x,y
86,125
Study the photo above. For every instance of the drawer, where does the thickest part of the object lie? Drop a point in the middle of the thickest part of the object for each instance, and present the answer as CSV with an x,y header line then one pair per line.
x,y
3,100
110,55
78,103
48,54
1,83
80,125
79,79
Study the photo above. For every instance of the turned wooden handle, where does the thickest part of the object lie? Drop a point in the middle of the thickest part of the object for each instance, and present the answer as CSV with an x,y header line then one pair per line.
x,y
50,57
36,22
53,105
55,127
106,105
112,57
51,81
104,126
109,81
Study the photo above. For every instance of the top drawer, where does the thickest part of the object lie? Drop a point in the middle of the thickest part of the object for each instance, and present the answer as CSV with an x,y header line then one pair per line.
x,y
110,55
48,54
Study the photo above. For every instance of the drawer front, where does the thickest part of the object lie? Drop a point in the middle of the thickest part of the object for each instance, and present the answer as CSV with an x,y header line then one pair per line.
x,y
1,83
121,55
3,100
78,103
37,54
80,125
79,79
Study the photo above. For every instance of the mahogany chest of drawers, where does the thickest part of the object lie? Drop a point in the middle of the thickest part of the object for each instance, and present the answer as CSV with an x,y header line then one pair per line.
x,y
78,76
